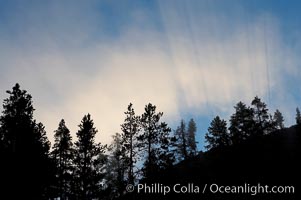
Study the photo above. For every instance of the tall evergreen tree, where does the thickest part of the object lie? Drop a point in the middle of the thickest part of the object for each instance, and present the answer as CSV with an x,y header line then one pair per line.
x,y
116,168
298,116
63,153
25,149
130,129
191,142
180,141
89,161
154,141
166,156
278,120
217,135
241,123
2,147
261,117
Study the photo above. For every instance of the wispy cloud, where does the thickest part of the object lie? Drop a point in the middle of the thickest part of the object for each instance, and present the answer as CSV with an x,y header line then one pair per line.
x,y
198,62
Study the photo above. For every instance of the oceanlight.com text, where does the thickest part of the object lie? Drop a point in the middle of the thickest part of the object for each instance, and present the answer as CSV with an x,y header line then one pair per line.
x,y
191,188
251,189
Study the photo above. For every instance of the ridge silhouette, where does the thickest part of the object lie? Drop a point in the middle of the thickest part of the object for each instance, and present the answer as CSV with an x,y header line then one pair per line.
x,y
272,160
255,149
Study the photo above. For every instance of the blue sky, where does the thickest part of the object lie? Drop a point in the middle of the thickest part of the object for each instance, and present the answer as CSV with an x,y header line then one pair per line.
x,y
193,59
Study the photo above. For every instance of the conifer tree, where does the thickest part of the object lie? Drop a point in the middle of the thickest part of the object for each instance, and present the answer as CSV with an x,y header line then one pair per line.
x,y
191,142
261,117
278,120
154,141
63,154
180,141
241,123
27,168
217,135
116,168
298,116
89,161
130,129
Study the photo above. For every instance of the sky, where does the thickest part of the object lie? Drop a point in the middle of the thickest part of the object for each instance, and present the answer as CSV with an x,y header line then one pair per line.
x,y
192,59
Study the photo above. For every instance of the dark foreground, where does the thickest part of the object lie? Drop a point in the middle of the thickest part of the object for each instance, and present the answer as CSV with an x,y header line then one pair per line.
x,y
266,167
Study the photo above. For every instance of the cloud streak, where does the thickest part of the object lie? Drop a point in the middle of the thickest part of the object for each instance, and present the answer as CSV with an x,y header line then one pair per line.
x,y
197,62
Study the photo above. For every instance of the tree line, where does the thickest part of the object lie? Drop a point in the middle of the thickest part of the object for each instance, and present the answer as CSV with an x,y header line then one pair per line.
x,y
85,169
247,121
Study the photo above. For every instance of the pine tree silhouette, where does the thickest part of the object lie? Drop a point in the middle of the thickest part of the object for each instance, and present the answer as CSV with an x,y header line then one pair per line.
x,y
116,168
130,129
25,149
262,125
191,142
298,116
241,123
63,154
180,141
154,141
217,135
89,161
278,120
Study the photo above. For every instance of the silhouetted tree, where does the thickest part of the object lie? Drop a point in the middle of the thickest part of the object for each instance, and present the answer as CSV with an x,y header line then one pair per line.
x,y
241,123
298,116
116,168
27,168
263,125
2,147
130,129
89,161
180,141
63,155
166,156
278,120
191,143
154,141
217,135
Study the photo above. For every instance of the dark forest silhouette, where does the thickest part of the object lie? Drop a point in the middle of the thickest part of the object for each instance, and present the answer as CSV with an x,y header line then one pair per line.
x,y
255,147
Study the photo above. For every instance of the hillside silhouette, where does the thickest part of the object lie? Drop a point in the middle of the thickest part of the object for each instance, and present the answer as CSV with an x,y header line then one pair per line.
x,y
147,159
272,160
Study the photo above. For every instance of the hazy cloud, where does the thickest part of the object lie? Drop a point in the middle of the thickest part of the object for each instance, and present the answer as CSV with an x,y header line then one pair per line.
x,y
198,62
